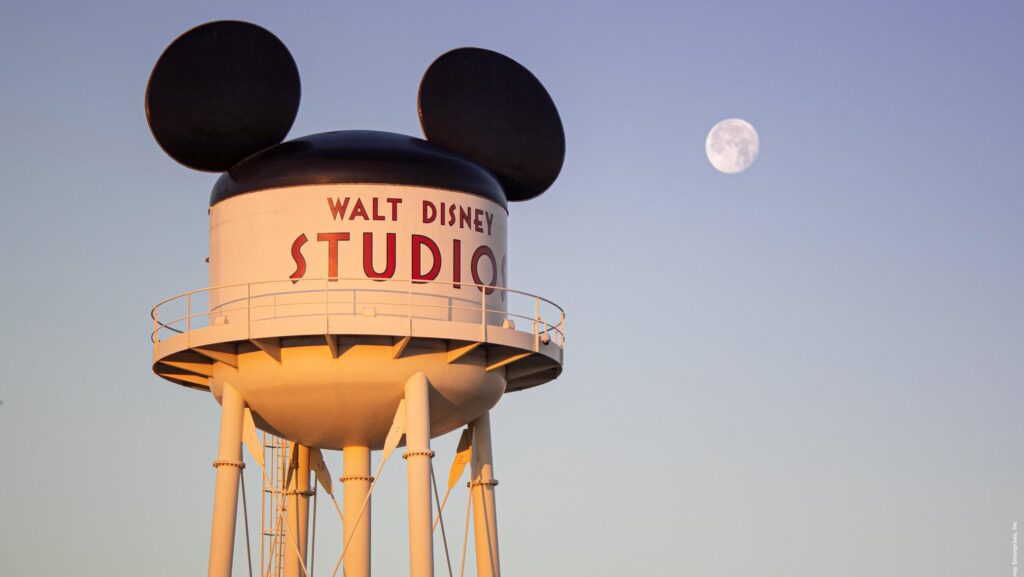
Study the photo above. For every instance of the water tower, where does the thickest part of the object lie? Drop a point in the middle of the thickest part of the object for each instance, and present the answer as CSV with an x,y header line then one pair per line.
x,y
358,281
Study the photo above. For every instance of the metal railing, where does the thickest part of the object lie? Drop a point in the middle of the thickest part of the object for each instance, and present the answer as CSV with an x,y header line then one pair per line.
x,y
356,297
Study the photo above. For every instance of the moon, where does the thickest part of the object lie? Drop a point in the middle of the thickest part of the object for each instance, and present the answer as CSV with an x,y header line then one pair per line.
x,y
732,146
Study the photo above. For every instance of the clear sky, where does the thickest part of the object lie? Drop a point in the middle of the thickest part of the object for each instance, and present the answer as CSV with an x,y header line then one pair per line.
x,y
811,368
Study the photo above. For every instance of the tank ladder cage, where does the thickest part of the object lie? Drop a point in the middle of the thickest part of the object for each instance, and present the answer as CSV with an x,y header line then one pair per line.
x,y
355,297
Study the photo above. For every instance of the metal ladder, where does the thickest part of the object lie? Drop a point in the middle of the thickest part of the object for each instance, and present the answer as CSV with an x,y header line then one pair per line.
x,y
273,506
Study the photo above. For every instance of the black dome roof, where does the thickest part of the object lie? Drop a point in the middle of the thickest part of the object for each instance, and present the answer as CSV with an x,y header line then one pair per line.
x,y
358,156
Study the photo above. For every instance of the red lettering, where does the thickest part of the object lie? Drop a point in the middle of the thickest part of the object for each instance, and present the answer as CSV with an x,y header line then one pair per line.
x,y
332,238
483,251
358,210
429,212
490,221
457,263
338,207
418,242
394,202
389,268
478,225
376,209
465,216
300,261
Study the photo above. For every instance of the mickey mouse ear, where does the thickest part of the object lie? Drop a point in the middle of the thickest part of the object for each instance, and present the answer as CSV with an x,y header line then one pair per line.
x,y
492,110
220,92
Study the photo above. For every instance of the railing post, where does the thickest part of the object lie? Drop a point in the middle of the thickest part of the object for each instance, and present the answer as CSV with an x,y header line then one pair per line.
x,y
536,315
561,340
188,318
483,312
327,308
561,337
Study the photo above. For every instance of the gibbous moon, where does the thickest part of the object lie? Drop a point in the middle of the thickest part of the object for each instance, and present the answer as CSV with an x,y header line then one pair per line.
x,y
732,146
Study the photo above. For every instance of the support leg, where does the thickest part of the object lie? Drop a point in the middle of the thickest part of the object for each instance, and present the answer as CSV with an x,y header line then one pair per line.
x,y
357,487
418,455
485,518
297,516
304,494
229,469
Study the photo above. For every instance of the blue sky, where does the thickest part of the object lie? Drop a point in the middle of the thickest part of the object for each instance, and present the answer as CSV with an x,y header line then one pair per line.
x,y
813,367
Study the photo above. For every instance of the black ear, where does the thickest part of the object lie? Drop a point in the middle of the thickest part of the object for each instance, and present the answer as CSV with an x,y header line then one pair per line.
x,y
220,92
492,110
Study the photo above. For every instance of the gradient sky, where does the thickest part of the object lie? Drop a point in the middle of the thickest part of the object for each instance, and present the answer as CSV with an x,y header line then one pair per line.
x,y
811,368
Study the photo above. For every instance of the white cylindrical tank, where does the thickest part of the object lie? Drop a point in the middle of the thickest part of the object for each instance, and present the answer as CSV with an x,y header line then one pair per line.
x,y
285,241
